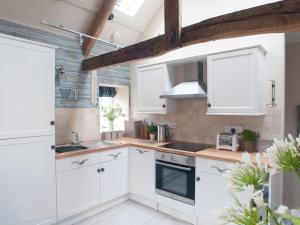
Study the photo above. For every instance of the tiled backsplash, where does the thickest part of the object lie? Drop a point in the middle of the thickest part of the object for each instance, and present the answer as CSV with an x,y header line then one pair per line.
x,y
85,121
194,125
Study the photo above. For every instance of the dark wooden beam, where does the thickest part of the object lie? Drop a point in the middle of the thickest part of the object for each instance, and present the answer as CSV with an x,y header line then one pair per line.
x,y
172,23
145,49
278,17
97,25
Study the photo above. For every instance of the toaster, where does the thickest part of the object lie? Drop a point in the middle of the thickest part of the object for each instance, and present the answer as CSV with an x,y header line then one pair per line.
x,y
228,141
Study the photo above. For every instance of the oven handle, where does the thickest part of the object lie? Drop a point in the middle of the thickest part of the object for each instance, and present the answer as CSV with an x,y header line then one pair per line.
x,y
174,166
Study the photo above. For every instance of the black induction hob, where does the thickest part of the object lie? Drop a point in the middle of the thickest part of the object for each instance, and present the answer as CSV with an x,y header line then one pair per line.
x,y
186,146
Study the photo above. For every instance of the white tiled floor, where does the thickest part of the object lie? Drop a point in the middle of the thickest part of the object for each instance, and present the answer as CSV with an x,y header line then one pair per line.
x,y
131,213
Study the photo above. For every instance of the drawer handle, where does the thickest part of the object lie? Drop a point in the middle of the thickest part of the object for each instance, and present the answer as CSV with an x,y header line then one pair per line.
x,y
116,155
80,162
221,171
141,151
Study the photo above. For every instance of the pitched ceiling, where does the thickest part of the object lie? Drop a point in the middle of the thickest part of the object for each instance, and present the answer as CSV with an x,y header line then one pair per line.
x,y
78,14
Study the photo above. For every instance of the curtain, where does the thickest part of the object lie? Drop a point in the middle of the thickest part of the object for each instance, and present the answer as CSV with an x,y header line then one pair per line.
x,y
107,91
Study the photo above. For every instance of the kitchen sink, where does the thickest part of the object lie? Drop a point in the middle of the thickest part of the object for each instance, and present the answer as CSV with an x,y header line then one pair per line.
x,y
69,148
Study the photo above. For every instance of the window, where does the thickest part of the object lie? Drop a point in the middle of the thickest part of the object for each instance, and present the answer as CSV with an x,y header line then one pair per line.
x,y
120,100
130,7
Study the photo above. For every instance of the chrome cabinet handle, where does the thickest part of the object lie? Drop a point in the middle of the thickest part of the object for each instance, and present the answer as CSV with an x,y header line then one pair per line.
x,y
80,162
221,171
141,151
116,155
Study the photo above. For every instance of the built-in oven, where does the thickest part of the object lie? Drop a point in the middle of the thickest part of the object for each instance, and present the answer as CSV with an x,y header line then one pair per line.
x,y
175,177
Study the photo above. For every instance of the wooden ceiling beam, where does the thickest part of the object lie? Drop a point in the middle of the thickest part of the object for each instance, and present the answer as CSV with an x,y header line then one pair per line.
x,y
278,17
172,23
97,25
145,49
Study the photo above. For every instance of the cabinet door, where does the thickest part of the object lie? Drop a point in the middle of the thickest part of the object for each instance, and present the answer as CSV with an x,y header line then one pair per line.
x,y
77,190
26,89
233,86
113,179
142,173
28,186
211,195
151,84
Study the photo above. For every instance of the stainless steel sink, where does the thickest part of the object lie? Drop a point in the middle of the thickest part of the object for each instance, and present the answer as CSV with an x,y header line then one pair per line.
x,y
69,148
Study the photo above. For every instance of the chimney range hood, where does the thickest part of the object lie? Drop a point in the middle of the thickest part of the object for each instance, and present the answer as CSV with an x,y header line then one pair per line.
x,y
190,88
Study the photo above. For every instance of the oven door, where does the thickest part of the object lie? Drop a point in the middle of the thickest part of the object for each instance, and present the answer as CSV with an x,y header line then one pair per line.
x,y
175,181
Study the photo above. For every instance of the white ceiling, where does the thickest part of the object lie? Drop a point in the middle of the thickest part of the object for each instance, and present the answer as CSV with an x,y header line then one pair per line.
x,y
78,14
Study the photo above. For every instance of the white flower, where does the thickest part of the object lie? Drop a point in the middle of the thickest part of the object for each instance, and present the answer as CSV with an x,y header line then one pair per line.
x,y
258,198
282,210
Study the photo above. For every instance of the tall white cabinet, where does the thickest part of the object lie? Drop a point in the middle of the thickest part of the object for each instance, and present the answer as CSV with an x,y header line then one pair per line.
x,y
235,82
27,157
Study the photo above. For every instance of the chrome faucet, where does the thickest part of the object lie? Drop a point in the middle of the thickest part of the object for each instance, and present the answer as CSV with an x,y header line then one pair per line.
x,y
76,141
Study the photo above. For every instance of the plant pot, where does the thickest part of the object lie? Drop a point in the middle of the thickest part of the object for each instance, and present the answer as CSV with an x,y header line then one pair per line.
x,y
152,137
250,146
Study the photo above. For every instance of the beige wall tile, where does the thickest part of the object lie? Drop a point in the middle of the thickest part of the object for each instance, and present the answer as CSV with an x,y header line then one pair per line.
x,y
85,121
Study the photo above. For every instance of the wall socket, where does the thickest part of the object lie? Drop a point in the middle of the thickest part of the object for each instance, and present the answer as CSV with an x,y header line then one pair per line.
x,y
238,129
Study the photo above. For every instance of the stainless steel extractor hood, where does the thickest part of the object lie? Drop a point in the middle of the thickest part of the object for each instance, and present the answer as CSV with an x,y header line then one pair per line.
x,y
190,88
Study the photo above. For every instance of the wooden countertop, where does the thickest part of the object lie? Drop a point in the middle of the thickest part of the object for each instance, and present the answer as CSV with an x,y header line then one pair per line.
x,y
210,153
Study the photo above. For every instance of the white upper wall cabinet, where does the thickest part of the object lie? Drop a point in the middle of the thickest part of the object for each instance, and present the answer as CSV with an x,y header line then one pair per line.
x,y
152,82
235,82
26,88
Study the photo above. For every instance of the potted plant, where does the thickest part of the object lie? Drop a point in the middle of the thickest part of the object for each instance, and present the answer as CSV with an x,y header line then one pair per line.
x,y
251,177
249,140
152,130
112,113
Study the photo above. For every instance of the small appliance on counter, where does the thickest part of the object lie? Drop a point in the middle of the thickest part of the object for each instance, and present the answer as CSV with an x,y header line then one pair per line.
x,y
162,132
228,141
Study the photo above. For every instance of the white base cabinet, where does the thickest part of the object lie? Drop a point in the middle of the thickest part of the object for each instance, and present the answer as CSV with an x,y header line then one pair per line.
x,y
77,190
113,179
101,177
142,173
211,190
235,82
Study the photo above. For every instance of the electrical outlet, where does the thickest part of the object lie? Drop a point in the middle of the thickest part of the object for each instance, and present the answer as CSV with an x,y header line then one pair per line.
x,y
238,129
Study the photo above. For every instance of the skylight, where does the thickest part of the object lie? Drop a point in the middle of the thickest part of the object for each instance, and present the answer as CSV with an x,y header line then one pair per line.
x,y
130,7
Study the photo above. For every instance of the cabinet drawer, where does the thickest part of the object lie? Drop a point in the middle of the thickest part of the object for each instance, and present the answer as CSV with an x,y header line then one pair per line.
x,y
114,154
77,162
211,166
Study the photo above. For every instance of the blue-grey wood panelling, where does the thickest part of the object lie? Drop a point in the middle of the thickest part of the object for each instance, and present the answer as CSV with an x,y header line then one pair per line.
x,y
69,55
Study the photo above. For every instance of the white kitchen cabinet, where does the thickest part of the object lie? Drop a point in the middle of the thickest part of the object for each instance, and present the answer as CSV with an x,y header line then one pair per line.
x,y
153,81
77,190
27,89
113,179
27,189
89,180
235,82
211,191
142,173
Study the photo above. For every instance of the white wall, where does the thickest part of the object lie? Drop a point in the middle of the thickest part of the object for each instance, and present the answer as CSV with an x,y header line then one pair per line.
x,y
292,190
194,11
